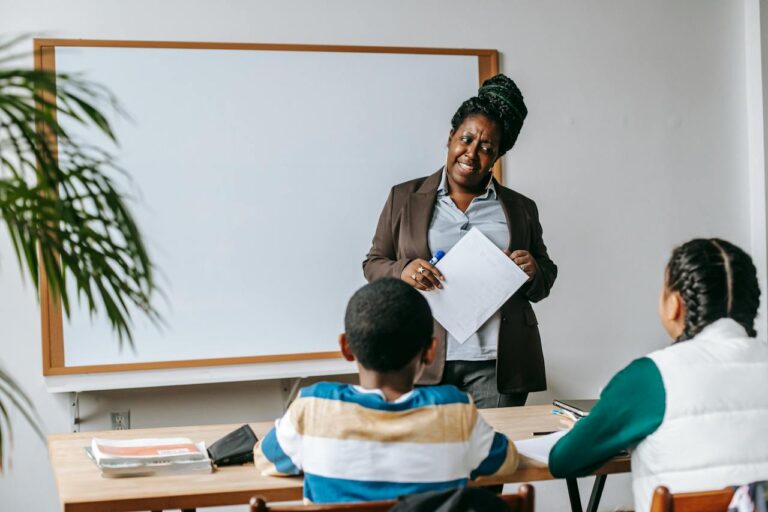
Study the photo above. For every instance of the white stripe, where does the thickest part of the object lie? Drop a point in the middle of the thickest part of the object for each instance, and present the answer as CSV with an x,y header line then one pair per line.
x,y
289,439
480,442
380,393
388,462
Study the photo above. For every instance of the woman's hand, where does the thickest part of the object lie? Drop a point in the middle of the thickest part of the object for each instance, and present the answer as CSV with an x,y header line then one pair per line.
x,y
525,261
420,274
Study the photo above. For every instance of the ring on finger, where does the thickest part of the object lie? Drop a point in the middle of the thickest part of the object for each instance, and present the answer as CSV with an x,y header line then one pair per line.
x,y
414,276
420,270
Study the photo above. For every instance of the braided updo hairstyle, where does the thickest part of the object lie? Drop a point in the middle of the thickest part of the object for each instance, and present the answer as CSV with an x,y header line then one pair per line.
x,y
716,280
500,101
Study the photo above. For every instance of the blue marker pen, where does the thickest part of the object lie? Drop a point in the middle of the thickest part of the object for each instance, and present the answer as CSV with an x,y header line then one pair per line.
x,y
438,255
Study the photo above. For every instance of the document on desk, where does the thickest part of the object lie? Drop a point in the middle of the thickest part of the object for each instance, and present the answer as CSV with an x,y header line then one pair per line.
x,y
143,457
539,447
479,278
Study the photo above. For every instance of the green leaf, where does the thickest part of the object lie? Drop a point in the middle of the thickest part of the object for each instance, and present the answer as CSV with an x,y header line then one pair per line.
x,y
63,211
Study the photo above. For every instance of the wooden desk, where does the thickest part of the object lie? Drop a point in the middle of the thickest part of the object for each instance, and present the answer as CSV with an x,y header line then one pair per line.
x,y
81,487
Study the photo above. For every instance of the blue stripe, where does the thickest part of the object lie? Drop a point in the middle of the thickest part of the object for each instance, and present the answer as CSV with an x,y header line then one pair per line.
x,y
496,457
272,450
421,396
319,489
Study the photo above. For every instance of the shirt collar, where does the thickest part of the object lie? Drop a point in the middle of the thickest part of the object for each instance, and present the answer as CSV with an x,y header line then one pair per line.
x,y
442,189
723,328
380,393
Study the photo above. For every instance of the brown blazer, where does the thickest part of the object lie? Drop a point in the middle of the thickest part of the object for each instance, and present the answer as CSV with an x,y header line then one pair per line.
x,y
401,236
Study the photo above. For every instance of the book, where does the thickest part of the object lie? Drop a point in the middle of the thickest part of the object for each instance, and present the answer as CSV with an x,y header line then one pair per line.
x,y
141,457
580,408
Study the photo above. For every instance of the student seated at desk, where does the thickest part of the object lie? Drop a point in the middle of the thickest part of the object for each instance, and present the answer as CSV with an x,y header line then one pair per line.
x,y
384,438
696,412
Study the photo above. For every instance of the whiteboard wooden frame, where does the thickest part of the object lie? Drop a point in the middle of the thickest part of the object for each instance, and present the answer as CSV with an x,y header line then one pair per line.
x,y
51,310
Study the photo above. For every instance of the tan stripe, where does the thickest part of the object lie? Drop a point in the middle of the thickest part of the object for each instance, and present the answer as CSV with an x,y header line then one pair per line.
x,y
263,464
510,463
319,417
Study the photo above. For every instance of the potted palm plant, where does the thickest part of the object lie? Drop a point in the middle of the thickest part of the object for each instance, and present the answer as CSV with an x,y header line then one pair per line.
x,y
62,209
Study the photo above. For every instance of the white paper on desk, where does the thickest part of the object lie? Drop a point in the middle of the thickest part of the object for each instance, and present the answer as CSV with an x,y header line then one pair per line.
x,y
538,447
479,278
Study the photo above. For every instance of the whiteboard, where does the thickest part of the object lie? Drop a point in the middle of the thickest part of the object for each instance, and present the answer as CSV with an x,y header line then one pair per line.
x,y
258,176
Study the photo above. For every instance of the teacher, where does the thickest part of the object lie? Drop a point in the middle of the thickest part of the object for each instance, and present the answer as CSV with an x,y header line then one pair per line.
x,y
502,362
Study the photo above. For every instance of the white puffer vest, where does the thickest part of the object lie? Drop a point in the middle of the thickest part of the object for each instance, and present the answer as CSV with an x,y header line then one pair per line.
x,y
715,427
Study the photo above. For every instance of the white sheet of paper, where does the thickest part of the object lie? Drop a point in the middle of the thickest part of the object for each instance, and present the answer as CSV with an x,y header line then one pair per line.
x,y
479,278
538,447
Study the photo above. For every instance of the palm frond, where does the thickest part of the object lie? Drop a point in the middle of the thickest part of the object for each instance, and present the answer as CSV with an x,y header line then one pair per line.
x,y
63,211
57,196
5,420
10,391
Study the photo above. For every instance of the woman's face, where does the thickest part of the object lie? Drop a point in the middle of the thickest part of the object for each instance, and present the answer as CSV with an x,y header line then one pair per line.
x,y
473,148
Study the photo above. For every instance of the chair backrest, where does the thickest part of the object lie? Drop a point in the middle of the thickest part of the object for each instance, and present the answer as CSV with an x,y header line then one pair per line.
x,y
521,501
707,501
258,504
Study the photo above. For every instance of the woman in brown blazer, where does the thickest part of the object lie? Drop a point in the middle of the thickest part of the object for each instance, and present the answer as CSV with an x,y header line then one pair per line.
x,y
503,361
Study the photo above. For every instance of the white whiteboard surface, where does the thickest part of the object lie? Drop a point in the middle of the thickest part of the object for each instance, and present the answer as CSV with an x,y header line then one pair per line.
x,y
260,178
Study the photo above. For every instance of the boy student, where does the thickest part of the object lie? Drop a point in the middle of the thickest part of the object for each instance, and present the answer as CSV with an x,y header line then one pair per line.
x,y
384,438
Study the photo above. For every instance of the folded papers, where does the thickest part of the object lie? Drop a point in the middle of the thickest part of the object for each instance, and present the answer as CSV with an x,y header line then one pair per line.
x,y
142,457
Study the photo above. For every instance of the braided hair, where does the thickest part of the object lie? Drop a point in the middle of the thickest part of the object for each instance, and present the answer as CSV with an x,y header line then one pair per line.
x,y
500,101
716,280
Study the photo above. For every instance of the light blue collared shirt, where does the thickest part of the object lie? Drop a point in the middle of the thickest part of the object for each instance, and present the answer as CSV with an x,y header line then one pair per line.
x,y
447,227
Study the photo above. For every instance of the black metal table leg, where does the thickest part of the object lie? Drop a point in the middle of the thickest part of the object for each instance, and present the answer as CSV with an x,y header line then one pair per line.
x,y
573,494
597,492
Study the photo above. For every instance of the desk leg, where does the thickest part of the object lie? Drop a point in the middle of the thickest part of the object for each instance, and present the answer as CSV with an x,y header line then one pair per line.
x,y
573,494
597,492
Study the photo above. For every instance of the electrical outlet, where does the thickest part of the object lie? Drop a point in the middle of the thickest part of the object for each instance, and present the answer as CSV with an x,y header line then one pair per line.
x,y
121,420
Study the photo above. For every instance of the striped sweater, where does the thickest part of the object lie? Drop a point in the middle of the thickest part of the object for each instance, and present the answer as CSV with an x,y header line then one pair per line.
x,y
353,445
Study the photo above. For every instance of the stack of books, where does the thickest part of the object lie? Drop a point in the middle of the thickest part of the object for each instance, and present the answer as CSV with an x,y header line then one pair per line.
x,y
143,457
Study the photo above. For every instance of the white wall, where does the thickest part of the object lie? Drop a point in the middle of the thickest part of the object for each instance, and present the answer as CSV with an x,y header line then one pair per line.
x,y
636,141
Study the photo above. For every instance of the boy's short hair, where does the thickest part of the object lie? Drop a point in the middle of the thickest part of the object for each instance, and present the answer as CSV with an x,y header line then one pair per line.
x,y
387,323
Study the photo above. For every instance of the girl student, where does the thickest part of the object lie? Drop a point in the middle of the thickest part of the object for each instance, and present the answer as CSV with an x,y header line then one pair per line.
x,y
694,414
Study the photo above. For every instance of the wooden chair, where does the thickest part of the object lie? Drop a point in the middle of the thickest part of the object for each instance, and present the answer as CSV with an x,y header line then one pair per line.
x,y
521,501
260,505
707,501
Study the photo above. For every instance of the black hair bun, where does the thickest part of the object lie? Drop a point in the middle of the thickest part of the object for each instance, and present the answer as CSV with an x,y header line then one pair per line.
x,y
505,98
500,100
502,92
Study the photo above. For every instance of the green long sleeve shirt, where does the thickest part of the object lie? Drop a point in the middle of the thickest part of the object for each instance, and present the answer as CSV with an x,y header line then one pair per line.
x,y
631,407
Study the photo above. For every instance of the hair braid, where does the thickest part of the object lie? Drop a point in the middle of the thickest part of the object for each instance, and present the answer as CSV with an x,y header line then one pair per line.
x,y
500,100
746,299
685,280
716,280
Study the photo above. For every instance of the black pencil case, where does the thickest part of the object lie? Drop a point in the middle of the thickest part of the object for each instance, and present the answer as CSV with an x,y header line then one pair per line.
x,y
234,448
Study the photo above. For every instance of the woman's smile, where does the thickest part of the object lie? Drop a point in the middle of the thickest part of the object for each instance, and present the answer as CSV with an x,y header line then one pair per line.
x,y
468,168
